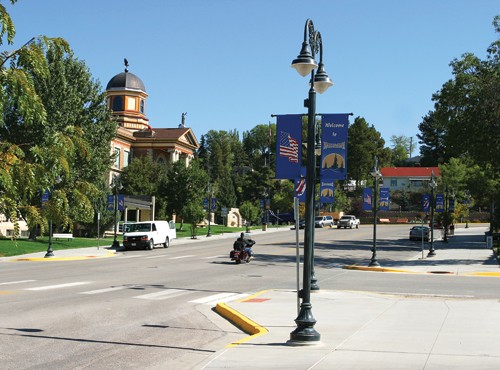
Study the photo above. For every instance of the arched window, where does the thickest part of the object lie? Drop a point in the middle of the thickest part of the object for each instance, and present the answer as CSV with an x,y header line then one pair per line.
x,y
118,103
142,106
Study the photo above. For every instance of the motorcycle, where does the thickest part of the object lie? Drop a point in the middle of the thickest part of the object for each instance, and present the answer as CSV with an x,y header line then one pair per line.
x,y
239,253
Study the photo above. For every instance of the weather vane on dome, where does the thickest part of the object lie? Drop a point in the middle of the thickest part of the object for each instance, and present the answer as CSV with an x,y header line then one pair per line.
x,y
126,64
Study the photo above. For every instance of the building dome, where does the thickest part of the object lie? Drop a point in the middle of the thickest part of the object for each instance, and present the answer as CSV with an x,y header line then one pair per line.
x,y
126,81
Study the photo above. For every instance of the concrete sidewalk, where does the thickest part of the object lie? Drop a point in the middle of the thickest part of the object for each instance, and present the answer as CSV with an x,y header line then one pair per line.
x,y
362,330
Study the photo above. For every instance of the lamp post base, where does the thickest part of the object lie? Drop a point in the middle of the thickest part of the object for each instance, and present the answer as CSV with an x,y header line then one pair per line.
x,y
431,253
305,331
49,254
116,244
374,263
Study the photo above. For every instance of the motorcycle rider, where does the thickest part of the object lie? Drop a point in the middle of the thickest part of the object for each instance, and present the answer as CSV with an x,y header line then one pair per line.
x,y
245,244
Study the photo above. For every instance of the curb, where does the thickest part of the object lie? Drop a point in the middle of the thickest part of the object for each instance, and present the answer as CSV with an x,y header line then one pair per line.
x,y
48,259
377,269
240,321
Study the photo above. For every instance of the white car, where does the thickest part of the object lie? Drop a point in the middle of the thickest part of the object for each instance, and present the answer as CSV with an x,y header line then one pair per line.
x,y
322,221
348,221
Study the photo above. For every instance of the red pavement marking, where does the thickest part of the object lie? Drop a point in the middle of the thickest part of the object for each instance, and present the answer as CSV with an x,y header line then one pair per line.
x,y
257,300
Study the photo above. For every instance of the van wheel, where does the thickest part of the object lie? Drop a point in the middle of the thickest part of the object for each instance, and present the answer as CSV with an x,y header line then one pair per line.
x,y
151,245
167,243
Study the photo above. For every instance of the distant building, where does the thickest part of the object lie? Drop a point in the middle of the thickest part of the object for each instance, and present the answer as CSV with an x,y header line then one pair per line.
x,y
407,178
135,137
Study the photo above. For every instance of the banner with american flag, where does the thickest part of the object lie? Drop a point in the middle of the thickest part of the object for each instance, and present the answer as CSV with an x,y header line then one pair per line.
x,y
288,146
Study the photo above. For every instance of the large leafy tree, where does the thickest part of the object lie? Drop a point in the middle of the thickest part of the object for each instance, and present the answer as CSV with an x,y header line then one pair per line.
x,y
39,162
364,142
466,117
144,176
184,186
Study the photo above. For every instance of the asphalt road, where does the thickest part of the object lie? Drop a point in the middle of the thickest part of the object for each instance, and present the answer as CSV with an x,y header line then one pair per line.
x,y
153,309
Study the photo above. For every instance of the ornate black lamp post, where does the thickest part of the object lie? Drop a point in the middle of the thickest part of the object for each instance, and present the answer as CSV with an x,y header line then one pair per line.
x,y
50,252
209,208
305,64
117,186
433,185
377,176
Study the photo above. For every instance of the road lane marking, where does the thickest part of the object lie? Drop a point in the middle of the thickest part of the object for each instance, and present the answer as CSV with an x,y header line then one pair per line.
x,y
105,290
217,298
158,256
176,258
219,256
17,282
164,294
47,287
133,256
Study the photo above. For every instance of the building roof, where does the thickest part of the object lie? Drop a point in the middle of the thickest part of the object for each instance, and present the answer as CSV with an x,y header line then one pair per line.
x,y
409,171
126,81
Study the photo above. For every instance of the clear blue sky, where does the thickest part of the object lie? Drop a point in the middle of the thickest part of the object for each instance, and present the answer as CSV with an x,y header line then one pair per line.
x,y
227,62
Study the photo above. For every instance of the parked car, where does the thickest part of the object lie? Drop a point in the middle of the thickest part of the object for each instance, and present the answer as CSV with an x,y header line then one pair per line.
x,y
416,233
348,221
302,224
322,221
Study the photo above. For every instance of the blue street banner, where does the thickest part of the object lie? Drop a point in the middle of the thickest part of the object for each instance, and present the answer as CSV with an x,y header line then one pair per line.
x,y
384,199
334,128
214,203
426,203
121,202
288,146
439,202
300,189
367,199
111,202
262,203
326,192
451,205
205,204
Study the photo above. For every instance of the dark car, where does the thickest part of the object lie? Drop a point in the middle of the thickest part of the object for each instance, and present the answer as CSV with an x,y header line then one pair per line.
x,y
417,232
302,224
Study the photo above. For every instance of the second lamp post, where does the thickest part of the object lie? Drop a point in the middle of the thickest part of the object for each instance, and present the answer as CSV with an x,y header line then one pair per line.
x,y
305,65
377,176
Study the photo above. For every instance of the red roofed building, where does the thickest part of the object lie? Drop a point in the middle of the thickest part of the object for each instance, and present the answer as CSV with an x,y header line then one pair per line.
x,y
135,137
407,178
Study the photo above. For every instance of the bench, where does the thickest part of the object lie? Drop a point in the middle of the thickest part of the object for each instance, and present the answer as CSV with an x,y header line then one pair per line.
x,y
384,220
67,236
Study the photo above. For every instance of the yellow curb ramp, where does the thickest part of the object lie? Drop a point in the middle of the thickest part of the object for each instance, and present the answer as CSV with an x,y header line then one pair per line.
x,y
377,269
70,258
240,321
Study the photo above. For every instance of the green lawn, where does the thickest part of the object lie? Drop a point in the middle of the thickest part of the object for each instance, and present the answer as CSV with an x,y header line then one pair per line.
x,y
17,247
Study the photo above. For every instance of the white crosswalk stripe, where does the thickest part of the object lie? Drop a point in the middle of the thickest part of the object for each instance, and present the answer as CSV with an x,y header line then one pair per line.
x,y
221,297
176,258
164,294
48,287
17,282
105,290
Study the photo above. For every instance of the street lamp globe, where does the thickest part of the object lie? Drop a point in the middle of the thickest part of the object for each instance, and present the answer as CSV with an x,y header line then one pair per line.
x,y
304,63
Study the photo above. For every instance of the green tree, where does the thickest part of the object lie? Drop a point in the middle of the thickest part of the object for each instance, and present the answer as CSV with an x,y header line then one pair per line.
x,y
194,214
364,142
37,163
250,212
144,176
184,185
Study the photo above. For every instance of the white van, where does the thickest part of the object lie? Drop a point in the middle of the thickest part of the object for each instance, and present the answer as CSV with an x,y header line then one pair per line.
x,y
147,234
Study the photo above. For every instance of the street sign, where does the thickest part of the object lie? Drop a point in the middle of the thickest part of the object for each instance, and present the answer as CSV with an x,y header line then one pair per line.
x,y
223,211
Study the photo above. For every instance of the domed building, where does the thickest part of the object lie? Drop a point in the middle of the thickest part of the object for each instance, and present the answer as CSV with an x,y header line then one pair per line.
x,y
135,137
126,94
